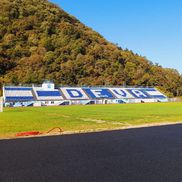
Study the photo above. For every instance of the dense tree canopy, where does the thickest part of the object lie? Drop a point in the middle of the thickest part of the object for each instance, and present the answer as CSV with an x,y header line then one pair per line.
x,y
38,41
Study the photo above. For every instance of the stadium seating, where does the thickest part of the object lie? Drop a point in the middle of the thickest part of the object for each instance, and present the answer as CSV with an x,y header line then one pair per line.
x,y
47,95
16,94
154,93
72,93
79,95
99,93
121,93
137,93
111,93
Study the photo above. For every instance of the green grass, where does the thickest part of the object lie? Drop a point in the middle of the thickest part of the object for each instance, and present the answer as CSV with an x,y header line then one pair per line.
x,y
94,117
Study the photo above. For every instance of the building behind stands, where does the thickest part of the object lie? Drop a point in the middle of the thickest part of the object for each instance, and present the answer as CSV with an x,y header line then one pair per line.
x,y
49,95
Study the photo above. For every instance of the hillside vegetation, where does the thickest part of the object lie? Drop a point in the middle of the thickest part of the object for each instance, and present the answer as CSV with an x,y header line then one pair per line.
x,y
38,41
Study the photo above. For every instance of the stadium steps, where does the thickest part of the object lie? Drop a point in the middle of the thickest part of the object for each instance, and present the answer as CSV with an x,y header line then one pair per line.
x,y
62,93
33,93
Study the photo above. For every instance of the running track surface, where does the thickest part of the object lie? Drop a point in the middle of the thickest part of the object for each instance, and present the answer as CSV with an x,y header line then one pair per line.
x,y
136,155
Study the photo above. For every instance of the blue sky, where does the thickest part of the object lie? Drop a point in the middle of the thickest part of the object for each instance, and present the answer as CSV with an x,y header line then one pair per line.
x,y
151,28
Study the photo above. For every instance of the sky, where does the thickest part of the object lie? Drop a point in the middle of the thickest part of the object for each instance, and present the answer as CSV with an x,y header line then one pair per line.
x,y
151,28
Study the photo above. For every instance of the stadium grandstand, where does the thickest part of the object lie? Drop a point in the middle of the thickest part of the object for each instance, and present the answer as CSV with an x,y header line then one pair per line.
x,y
49,95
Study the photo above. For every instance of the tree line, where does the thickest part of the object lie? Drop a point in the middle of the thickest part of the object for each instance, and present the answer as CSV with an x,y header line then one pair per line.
x,y
39,41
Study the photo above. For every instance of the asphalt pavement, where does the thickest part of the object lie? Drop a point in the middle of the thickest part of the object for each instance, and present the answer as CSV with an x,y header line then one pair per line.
x,y
135,155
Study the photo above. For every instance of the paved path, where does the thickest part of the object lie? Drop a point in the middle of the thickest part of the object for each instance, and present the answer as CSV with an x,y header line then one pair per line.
x,y
136,155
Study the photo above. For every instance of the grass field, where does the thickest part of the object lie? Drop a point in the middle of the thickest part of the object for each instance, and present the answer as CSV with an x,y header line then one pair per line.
x,y
81,118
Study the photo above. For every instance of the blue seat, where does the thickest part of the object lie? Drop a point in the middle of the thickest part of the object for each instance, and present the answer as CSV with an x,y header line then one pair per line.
x,y
19,98
48,93
18,88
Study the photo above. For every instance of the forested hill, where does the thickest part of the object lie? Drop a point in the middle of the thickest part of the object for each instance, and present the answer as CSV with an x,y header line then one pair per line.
x,y
38,41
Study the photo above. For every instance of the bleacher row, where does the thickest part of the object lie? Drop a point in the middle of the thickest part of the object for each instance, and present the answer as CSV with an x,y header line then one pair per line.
x,y
24,94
